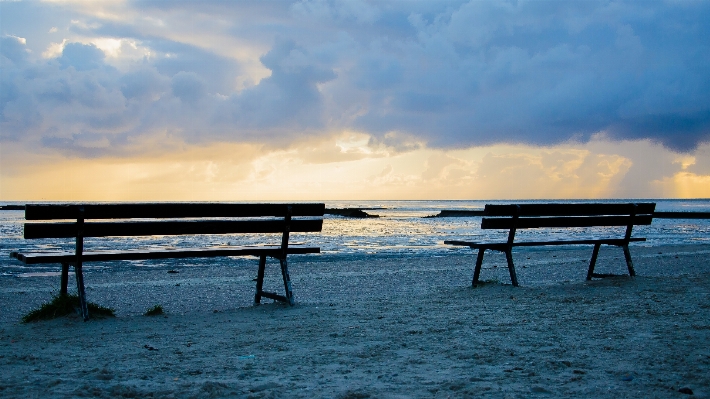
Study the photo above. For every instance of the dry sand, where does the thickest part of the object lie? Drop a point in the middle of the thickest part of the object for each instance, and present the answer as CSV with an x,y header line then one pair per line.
x,y
377,327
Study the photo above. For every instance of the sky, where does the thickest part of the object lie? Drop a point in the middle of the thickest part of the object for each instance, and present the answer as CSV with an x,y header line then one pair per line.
x,y
133,100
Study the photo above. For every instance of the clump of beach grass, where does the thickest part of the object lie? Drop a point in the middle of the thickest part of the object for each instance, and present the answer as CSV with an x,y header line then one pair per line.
x,y
483,283
156,310
62,305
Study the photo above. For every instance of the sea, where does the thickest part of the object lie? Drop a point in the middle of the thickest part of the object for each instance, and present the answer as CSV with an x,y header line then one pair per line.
x,y
395,228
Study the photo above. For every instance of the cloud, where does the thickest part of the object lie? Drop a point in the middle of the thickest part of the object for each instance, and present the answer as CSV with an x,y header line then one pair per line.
x,y
217,73
357,11
701,160
437,164
395,142
562,173
287,102
13,50
441,74
82,57
542,73
143,84
188,86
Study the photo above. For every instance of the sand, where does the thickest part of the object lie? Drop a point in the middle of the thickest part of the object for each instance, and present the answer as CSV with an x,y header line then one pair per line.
x,y
374,327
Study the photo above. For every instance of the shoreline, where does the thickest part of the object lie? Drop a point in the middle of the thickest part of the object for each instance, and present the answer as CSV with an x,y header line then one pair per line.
x,y
377,327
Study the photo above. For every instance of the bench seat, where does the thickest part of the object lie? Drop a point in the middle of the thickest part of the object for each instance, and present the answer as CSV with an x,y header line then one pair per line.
x,y
502,246
33,258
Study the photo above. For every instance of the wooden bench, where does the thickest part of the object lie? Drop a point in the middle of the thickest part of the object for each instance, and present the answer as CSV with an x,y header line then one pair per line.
x,y
169,219
560,216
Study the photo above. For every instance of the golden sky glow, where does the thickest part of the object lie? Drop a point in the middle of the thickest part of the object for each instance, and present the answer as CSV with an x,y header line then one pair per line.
x,y
345,167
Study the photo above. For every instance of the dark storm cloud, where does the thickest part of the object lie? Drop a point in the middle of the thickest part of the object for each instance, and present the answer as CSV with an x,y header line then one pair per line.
x,y
543,73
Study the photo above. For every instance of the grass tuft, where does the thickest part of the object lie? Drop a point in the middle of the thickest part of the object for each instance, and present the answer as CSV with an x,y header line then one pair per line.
x,y
156,310
63,305
484,283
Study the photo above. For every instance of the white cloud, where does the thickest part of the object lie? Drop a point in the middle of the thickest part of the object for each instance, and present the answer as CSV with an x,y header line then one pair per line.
x,y
54,50
20,40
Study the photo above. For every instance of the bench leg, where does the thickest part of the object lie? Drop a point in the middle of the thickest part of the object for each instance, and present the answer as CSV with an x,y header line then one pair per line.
x,y
287,281
477,268
65,279
260,280
629,263
511,267
593,262
80,292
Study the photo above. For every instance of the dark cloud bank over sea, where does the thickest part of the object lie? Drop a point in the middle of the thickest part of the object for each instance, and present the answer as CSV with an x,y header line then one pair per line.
x,y
452,74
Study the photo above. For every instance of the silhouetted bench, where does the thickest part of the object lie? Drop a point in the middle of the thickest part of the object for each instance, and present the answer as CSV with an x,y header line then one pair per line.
x,y
560,216
170,219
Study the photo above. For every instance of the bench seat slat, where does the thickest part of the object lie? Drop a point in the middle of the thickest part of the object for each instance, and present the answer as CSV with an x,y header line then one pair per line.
x,y
503,246
165,228
96,256
167,210
606,241
564,222
569,209
472,244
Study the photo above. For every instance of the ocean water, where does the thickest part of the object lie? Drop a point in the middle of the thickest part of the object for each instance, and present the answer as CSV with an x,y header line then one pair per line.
x,y
402,228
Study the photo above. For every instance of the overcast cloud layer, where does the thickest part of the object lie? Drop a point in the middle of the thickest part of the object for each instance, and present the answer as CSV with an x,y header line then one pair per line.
x,y
93,79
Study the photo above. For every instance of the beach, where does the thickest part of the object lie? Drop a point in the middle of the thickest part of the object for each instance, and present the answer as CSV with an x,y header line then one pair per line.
x,y
157,152
374,327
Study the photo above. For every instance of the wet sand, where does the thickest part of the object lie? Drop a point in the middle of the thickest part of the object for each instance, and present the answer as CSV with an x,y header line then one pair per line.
x,y
374,327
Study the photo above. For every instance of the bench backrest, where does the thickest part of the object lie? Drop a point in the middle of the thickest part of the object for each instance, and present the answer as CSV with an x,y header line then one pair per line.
x,y
531,216
170,219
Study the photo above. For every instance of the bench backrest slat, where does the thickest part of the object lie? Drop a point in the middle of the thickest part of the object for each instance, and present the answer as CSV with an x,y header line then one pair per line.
x,y
533,216
126,229
168,210
592,209
559,222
